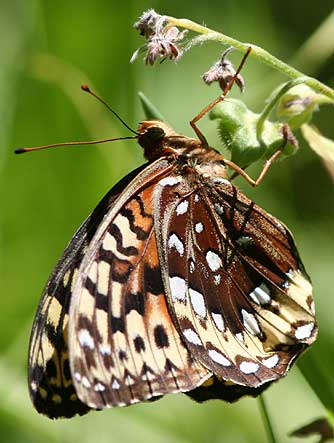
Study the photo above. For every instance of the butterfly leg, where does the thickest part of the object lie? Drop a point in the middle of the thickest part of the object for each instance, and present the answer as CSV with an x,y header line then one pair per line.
x,y
219,99
239,171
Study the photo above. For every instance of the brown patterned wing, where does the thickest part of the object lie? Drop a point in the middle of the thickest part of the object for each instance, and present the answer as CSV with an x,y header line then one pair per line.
x,y
50,381
124,347
235,284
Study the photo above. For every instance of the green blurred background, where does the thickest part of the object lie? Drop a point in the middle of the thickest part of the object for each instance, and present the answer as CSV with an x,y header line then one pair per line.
x,y
47,49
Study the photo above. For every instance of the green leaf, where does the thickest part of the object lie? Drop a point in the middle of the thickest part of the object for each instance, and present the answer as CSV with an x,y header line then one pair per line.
x,y
151,111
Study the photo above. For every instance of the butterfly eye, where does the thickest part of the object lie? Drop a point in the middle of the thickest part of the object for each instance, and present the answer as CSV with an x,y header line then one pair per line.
x,y
151,137
155,134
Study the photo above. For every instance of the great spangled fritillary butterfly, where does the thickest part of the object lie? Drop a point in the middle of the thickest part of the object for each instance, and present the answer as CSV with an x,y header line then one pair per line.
x,y
177,282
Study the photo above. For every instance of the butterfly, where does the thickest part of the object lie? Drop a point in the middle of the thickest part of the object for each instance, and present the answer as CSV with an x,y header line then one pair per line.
x,y
177,282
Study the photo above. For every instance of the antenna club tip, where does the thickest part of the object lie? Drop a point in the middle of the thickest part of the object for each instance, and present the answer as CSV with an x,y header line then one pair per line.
x,y
85,87
20,151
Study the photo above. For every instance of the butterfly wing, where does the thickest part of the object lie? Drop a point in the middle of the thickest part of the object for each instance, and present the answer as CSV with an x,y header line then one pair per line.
x,y
50,381
235,284
124,347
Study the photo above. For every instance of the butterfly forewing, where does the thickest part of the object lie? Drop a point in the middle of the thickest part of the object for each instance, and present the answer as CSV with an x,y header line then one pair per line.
x,y
236,311
124,347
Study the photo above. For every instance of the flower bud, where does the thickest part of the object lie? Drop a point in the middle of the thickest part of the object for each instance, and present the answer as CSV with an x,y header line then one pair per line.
x,y
298,104
162,41
223,72
237,127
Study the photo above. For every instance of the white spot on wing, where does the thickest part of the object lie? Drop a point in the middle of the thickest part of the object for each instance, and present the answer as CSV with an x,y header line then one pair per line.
x,y
85,339
271,362
219,321
105,349
197,302
286,285
248,367
182,208
175,242
115,385
260,295
129,380
304,331
192,337
77,376
191,266
213,260
196,198
250,323
199,227
217,279
219,209
178,288
99,387
169,181
219,358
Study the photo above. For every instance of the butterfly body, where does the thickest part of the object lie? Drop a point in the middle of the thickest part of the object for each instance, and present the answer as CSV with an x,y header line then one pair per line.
x,y
177,282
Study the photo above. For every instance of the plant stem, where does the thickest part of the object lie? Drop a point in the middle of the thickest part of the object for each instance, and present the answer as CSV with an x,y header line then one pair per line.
x,y
257,52
266,420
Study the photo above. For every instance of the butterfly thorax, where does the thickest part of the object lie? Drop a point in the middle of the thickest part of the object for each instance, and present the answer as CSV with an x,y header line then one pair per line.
x,y
160,140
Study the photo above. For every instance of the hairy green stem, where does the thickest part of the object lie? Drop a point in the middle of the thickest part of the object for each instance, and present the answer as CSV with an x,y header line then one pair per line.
x,y
266,420
257,52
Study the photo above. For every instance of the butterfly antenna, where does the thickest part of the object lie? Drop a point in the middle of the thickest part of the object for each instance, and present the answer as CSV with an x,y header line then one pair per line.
x,y
78,143
87,89
53,145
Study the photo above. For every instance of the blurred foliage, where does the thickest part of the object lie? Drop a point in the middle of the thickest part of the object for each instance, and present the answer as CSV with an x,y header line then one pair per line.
x,y
48,48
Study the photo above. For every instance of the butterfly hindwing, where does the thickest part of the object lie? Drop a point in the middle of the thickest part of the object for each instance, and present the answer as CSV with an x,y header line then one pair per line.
x,y
124,347
234,281
50,381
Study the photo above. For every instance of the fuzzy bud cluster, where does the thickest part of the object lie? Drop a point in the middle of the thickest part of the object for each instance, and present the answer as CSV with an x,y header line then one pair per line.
x,y
162,40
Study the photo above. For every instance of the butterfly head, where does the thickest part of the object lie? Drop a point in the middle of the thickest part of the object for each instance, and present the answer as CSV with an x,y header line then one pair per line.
x,y
155,130
160,140
153,135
